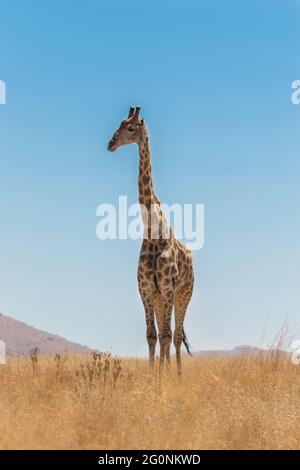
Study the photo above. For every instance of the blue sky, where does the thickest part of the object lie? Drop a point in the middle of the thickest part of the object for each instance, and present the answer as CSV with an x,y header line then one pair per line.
x,y
214,82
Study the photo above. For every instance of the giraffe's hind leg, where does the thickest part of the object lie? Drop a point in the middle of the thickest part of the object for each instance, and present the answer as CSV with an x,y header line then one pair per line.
x,y
182,299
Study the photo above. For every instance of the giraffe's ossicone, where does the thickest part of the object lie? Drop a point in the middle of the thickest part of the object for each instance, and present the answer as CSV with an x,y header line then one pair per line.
x,y
165,268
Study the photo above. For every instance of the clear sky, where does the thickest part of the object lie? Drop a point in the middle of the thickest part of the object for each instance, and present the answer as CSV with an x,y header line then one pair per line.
x,y
213,79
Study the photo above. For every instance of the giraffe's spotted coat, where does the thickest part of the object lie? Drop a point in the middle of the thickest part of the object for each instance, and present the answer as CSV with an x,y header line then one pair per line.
x,y
165,268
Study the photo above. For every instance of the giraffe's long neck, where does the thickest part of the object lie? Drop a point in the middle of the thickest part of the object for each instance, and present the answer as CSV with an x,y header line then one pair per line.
x,y
153,218
146,190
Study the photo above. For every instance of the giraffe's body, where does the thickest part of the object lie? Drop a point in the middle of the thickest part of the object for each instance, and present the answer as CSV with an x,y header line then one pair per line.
x,y
165,268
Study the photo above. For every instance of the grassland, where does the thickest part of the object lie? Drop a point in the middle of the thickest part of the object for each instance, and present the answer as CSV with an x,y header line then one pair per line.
x,y
101,402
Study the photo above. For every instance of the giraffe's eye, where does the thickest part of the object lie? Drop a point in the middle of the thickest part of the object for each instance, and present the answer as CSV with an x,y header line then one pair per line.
x,y
130,129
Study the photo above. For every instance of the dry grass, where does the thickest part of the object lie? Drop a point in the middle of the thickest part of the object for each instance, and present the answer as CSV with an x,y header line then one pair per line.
x,y
101,403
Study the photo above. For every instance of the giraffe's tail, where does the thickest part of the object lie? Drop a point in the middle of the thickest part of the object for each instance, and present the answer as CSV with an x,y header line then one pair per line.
x,y
186,343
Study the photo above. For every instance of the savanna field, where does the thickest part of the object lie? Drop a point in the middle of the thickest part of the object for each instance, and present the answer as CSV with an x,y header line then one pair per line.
x,y
102,402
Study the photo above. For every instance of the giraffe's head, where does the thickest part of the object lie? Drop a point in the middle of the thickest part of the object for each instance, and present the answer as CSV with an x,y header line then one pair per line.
x,y
130,131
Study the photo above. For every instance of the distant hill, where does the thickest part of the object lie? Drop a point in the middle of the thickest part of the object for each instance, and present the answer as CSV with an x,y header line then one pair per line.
x,y
19,338
238,351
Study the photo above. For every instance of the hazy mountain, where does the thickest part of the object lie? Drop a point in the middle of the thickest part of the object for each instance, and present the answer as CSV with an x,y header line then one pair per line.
x,y
19,338
243,350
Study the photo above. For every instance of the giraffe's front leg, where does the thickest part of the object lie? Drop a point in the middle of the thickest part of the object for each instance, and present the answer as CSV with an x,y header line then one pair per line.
x,y
168,357
151,333
167,273
148,293
165,334
159,307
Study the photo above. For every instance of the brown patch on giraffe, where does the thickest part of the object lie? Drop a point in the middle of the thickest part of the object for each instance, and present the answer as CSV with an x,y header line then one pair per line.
x,y
152,261
167,271
146,179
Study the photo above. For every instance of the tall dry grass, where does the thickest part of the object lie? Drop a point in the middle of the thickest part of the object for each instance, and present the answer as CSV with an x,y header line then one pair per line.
x,y
101,402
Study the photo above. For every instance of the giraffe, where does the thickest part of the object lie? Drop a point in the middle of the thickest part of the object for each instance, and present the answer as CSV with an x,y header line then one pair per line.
x,y
165,268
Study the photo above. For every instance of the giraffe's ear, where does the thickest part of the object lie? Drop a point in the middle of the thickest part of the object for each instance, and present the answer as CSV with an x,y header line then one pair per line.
x,y
131,112
136,114
142,122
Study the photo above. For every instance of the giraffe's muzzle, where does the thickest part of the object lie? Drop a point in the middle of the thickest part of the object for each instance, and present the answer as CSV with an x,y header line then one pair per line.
x,y
111,145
